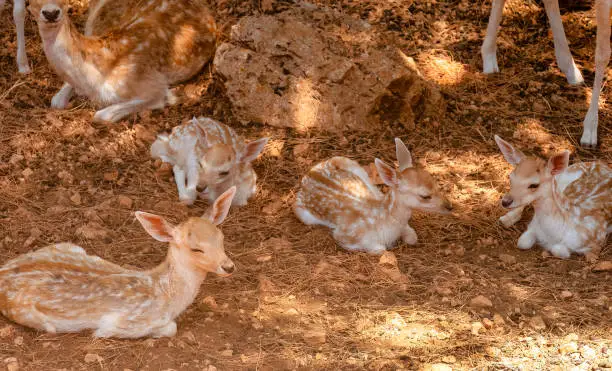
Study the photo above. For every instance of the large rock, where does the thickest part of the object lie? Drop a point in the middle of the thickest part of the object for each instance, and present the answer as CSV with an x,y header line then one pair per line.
x,y
311,67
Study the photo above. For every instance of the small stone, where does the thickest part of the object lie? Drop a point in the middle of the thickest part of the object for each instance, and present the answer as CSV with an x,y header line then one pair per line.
x,y
481,301
264,258
492,351
27,172
476,327
568,348
565,294
11,364
437,367
210,302
388,258
111,176
91,358
227,353
508,259
125,202
603,266
76,198
18,340
449,359
588,352
315,337
537,323
7,331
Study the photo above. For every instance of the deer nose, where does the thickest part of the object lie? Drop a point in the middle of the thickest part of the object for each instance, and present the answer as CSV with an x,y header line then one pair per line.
x,y
228,267
448,205
506,202
51,15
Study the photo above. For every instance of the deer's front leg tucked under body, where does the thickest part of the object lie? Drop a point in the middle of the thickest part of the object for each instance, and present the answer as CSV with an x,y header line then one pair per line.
x,y
528,238
61,99
409,235
512,217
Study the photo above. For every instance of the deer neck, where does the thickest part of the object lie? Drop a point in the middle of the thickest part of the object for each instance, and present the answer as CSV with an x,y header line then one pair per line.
x,y
546,204
396,209
177,280
77,59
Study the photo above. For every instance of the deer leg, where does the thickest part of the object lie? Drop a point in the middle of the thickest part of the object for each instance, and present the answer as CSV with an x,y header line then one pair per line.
x,y
118,111
61,99
19,18
602,57
168,330
512,217
191,192
488,50
528,238
562,51
409,235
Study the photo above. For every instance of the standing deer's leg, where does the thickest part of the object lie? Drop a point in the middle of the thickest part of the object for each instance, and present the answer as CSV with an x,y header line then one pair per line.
x,y
19,18
61,99
602,56
489,47
562,51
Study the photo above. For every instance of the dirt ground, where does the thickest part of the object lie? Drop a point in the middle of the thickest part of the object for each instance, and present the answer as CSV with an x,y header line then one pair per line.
x,y
298,301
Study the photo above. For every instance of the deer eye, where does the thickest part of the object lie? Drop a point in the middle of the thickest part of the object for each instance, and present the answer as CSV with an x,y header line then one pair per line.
x,y
196,250
426,197
224,173
534,186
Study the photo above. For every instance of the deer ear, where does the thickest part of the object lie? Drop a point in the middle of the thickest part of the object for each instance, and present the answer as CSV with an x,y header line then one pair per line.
x,y
253,149
558,163
511,154
404,158
386,172
156,226
200,130
221,207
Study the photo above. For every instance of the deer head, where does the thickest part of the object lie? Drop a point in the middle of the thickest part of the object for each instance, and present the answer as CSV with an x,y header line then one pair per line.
x,y
197,243
414,187
531,177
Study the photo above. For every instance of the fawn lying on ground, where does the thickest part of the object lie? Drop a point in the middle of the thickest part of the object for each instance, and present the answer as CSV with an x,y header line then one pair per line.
x,y
338,194
19,13
135,56
210,154
573,205
562,52
60,288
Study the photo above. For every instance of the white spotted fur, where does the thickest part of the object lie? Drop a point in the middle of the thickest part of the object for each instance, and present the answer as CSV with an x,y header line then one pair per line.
x,y
206,153
60,288
337,193
573,205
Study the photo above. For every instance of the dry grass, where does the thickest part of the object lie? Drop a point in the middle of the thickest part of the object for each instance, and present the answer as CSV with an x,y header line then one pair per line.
x,y
372,316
